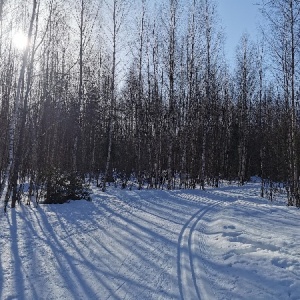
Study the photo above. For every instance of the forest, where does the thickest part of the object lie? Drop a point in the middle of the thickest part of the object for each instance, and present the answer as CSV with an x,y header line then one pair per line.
x,y
94,89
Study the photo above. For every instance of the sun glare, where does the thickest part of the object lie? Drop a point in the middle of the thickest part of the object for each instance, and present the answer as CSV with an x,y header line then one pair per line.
x,y
20,40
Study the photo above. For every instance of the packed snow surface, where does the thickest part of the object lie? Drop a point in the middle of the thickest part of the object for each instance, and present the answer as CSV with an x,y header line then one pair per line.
x,y
225,243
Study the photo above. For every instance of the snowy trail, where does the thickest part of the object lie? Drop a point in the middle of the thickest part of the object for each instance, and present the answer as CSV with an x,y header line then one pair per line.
x,y
224,243
188,285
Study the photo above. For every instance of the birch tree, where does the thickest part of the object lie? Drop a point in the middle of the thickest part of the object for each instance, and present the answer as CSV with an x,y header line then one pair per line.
x,y
283,17
170,65
13,122
246,84
117,10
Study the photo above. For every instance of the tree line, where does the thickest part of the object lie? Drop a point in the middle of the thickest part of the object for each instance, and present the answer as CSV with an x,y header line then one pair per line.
x,y
145,88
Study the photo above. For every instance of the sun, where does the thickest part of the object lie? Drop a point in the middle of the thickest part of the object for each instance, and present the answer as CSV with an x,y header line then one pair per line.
x,y
20,40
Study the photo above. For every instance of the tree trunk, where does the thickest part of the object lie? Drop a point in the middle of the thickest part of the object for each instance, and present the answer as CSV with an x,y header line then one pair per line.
x,y
13,123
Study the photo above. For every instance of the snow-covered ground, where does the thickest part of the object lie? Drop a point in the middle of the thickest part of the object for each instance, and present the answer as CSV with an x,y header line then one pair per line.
x,y
224,243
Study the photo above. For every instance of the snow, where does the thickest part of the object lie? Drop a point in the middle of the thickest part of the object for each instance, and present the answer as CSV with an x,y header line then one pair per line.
x,y
225,243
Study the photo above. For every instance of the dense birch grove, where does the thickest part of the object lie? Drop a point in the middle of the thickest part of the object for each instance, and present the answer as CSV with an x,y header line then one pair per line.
x,y
144,90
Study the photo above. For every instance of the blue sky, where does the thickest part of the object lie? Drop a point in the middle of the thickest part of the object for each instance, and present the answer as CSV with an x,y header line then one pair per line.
x,y
238,16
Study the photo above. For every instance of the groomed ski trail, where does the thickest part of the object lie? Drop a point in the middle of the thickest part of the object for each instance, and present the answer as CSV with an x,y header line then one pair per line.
x,y
191,286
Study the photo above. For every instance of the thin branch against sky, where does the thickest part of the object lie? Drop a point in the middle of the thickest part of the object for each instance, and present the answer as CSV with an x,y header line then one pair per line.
x,y
238,17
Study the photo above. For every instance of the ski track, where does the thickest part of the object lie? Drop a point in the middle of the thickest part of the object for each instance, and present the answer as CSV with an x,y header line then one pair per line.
x,y
187,279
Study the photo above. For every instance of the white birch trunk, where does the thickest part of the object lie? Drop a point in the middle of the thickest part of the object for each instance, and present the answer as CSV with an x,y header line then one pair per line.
x,y
13,122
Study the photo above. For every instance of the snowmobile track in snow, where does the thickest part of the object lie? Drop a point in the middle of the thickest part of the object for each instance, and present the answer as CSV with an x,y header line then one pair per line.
x,y
187,280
